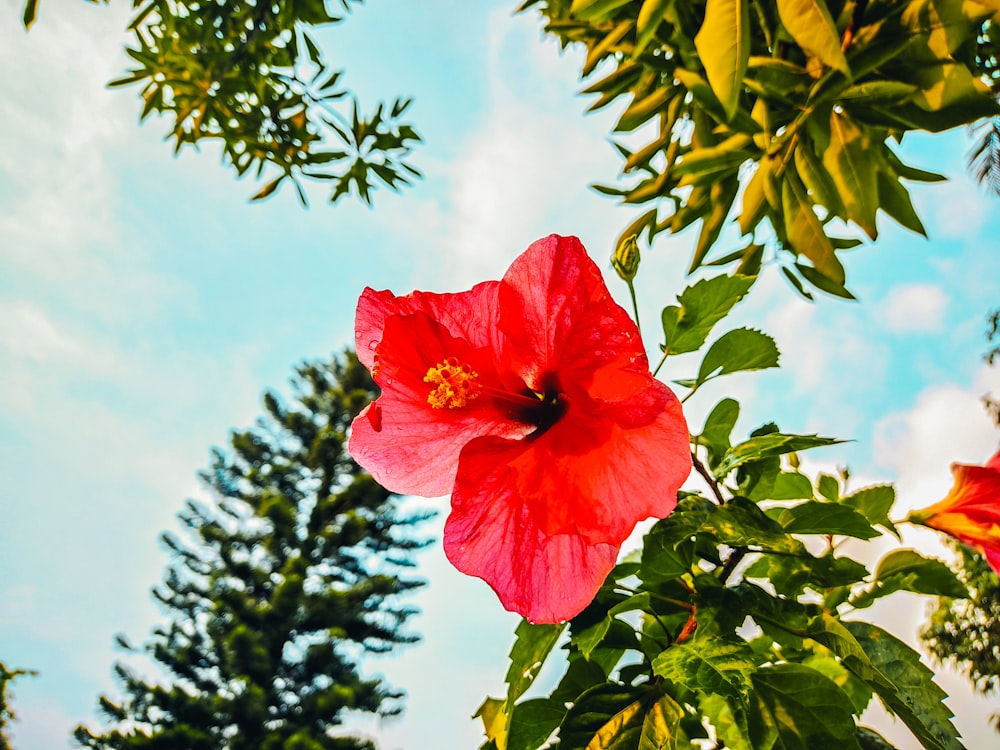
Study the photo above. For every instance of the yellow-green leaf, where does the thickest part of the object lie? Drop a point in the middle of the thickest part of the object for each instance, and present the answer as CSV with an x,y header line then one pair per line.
x,y
849,161
650,16
723,44
804,230
811,26
948,85
595,10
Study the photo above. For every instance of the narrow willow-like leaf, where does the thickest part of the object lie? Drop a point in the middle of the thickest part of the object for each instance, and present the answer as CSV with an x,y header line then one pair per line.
x,y
30,13
723,44
805,231
849,162
647,22
595,10
894,199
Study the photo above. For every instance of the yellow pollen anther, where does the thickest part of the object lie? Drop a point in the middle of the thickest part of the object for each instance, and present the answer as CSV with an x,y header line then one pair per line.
x,y
455,384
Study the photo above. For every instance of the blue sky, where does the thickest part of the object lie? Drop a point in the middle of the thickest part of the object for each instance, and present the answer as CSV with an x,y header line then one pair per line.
x,y
145,305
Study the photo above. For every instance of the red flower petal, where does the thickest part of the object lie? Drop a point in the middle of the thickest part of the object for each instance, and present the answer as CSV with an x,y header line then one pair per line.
x,y
993,558
470,315
970,512
408,445
558,317
492,533
593,476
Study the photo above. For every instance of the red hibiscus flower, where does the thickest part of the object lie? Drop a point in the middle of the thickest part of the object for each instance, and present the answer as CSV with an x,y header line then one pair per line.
x,y
529,400
971,511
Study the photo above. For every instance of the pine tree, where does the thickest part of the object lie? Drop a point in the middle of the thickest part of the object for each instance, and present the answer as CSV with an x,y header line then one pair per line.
x,y
286,581
966,632
7,715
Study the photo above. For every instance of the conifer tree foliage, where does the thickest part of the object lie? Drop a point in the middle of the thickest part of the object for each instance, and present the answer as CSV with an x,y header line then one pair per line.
x,y
966,632
7,715
287,580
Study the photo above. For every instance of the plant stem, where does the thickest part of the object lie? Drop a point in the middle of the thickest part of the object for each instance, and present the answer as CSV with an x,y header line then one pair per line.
x,y
707,476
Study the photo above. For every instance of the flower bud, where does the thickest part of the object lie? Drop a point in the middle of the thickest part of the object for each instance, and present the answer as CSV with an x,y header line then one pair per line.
x,y
626,258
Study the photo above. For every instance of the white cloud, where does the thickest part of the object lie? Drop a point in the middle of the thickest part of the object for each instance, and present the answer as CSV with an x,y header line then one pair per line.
x,y
960,208
524,172
915,308
946,423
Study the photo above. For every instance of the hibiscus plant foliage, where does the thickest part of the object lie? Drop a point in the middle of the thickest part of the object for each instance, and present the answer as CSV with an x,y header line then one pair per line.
x,y
740,622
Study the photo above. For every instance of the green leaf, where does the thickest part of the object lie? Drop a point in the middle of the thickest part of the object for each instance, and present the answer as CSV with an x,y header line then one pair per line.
x,y
269,188
812,28
894,199
879,92
874,503
849,161
906,172
869,739
709,160
792,575
647,22
533,722
721,197
828,487
908,570
661,727
686,326
723,44
702,93
30,13
708,665
831,633
741,523
826,518
612,717
494,717
774,444
738,351
914,697
729,717
824,283
595,10
857,690
804,229
718,426
666,550
532,645
817,180
803,708
791,485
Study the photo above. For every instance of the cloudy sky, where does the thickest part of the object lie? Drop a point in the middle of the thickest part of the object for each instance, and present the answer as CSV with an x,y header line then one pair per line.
x,y
145,305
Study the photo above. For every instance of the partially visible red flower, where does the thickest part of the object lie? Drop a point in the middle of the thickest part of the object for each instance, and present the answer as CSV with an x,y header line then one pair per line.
x,y
971,511
530,400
